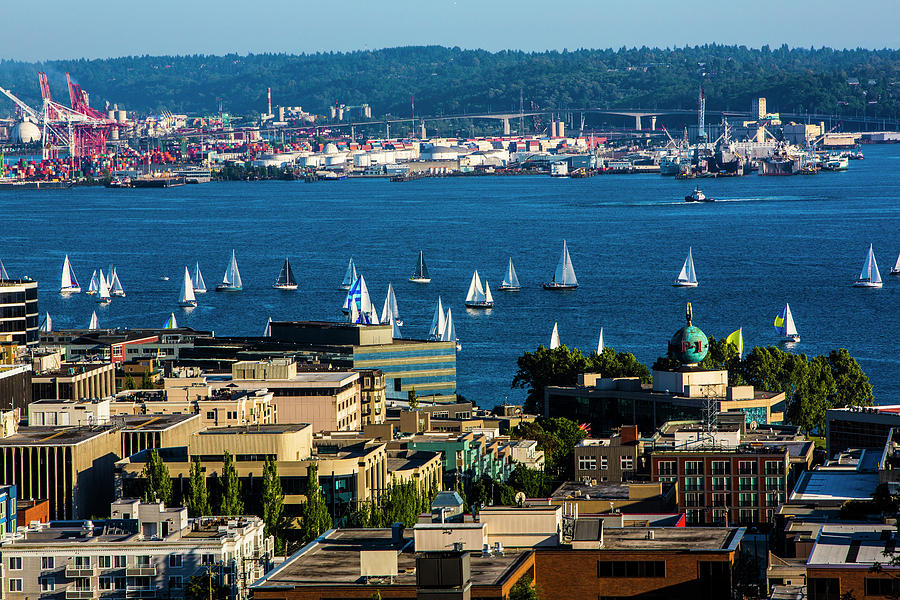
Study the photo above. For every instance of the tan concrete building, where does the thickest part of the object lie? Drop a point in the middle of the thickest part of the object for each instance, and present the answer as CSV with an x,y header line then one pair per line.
x,y
372,396
69,412
217,407
75,381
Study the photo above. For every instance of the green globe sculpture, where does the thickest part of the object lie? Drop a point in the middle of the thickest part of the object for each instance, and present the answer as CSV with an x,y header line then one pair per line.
x,y
689,345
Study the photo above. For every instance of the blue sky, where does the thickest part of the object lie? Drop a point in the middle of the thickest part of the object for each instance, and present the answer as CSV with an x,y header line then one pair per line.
x,y
123,27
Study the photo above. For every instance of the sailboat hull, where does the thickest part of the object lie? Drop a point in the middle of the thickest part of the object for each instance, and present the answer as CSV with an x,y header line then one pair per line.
x,y
420,279
483,305
188,304
196,291
70,290
285,286
228,288
509,288
895,272
691,284
118,294
867,284
559,287
790,339
103,301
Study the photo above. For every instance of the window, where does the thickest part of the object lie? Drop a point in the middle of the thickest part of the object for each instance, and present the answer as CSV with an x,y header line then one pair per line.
x,y
720,516
747,499
693,484
587,463
15,585
176,582
15,563
825,588
720,484
693,499
82,562
397,385
207,559
105,583
603,463
47,584
666,467
175,561
720,467
121,562
720,499
747,483
627,463
774,467
232,415
210,415
773,483
693,467
142,561
747,467
104,562
47,562
747,515
631,568
119,583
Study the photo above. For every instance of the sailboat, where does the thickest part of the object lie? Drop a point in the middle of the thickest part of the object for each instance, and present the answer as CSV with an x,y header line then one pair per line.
x,y
869,277
390,309
231,282
554,338
687,277
358,298
267,332
115,286
421,273
94,324
564,276
170,323
285,279
437,322
510,283
68,284
4,276
103,296
478,296
600,343
186,297
199,283
349,276
449,334
46,324
895,270
94,286
785,327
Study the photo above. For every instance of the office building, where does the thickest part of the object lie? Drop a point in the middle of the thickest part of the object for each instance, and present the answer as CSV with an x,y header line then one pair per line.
x,y
865,427
15,387
120,345
142,551
75,381
19,311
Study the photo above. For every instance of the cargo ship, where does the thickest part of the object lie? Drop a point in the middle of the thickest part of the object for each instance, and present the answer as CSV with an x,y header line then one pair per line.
x,y
780,163
35,185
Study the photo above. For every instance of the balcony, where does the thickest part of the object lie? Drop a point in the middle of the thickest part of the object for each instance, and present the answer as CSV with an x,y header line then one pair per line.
x,y
147,571
80,594
134,591
76,571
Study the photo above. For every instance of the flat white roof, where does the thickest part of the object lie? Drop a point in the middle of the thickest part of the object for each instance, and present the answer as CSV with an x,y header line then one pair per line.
x,y
851,544
835,485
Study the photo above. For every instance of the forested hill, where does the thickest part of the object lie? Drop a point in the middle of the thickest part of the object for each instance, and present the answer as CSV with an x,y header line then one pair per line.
x,y
451,80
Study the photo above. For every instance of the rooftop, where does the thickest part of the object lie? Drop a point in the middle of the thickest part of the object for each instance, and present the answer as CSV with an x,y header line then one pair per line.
x,y
256,429
54,436
70,370
852,545
823,485
672,538
151,422
335,560
603,490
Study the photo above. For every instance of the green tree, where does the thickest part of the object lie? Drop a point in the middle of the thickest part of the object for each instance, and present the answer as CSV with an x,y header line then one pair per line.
x,y
146,382
129,383
557,437
204,586
157,482
610,363
198,498
724,356
524,589
532,482
231,502
851,385
316,518
413,398
273,504
545,367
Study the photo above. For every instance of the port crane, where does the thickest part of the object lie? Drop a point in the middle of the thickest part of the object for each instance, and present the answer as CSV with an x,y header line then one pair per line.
x,y
78,129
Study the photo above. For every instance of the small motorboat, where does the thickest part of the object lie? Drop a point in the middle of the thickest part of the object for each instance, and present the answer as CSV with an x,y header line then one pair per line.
x,y
698,196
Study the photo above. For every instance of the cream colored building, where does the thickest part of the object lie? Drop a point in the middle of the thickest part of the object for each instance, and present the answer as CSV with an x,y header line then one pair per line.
x,y
217,407
69,412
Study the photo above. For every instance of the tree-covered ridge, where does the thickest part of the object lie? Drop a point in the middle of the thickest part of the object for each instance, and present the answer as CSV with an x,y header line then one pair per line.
x,y
453,80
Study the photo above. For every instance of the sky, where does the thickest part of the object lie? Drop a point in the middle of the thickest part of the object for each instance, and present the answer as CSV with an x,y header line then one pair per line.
x,y
93,29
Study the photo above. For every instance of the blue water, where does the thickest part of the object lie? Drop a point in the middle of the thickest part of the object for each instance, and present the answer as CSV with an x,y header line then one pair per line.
x,y
766,241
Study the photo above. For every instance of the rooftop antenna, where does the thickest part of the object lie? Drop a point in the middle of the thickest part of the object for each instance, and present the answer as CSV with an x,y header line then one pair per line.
x,y
701,117
521,112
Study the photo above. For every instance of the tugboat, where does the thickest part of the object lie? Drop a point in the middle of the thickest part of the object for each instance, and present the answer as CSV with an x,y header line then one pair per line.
x,y
698,196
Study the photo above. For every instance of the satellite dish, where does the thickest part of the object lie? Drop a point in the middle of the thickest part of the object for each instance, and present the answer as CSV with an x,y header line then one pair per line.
x,y
520,498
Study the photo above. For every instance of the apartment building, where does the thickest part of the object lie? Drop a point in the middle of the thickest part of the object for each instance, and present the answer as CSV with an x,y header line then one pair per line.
x,y
15,386
217,407
75,381
142,551
19,311
373,397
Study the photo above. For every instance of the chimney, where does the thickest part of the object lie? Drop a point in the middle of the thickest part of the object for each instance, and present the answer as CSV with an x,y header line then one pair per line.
x,y
628,434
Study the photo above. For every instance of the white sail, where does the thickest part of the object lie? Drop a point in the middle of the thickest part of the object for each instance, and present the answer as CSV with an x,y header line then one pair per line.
x,y
268,330
187,290
511,279
199,283
790,329
365,303
897,264
387,312
170,323
687,273
232,274
68,280
449,334
437,322
94,324
395,333
115,286
103,289
476,290
94,286
354,313
487,293
349,275
554,338
565,273
4,276
600,342
46,324
870,268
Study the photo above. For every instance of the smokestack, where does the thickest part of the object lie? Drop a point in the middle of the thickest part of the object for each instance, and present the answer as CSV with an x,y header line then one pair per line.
x,y
269,92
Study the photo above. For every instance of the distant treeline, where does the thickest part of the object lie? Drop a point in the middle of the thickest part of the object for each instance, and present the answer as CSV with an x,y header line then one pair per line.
x,y
452,80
